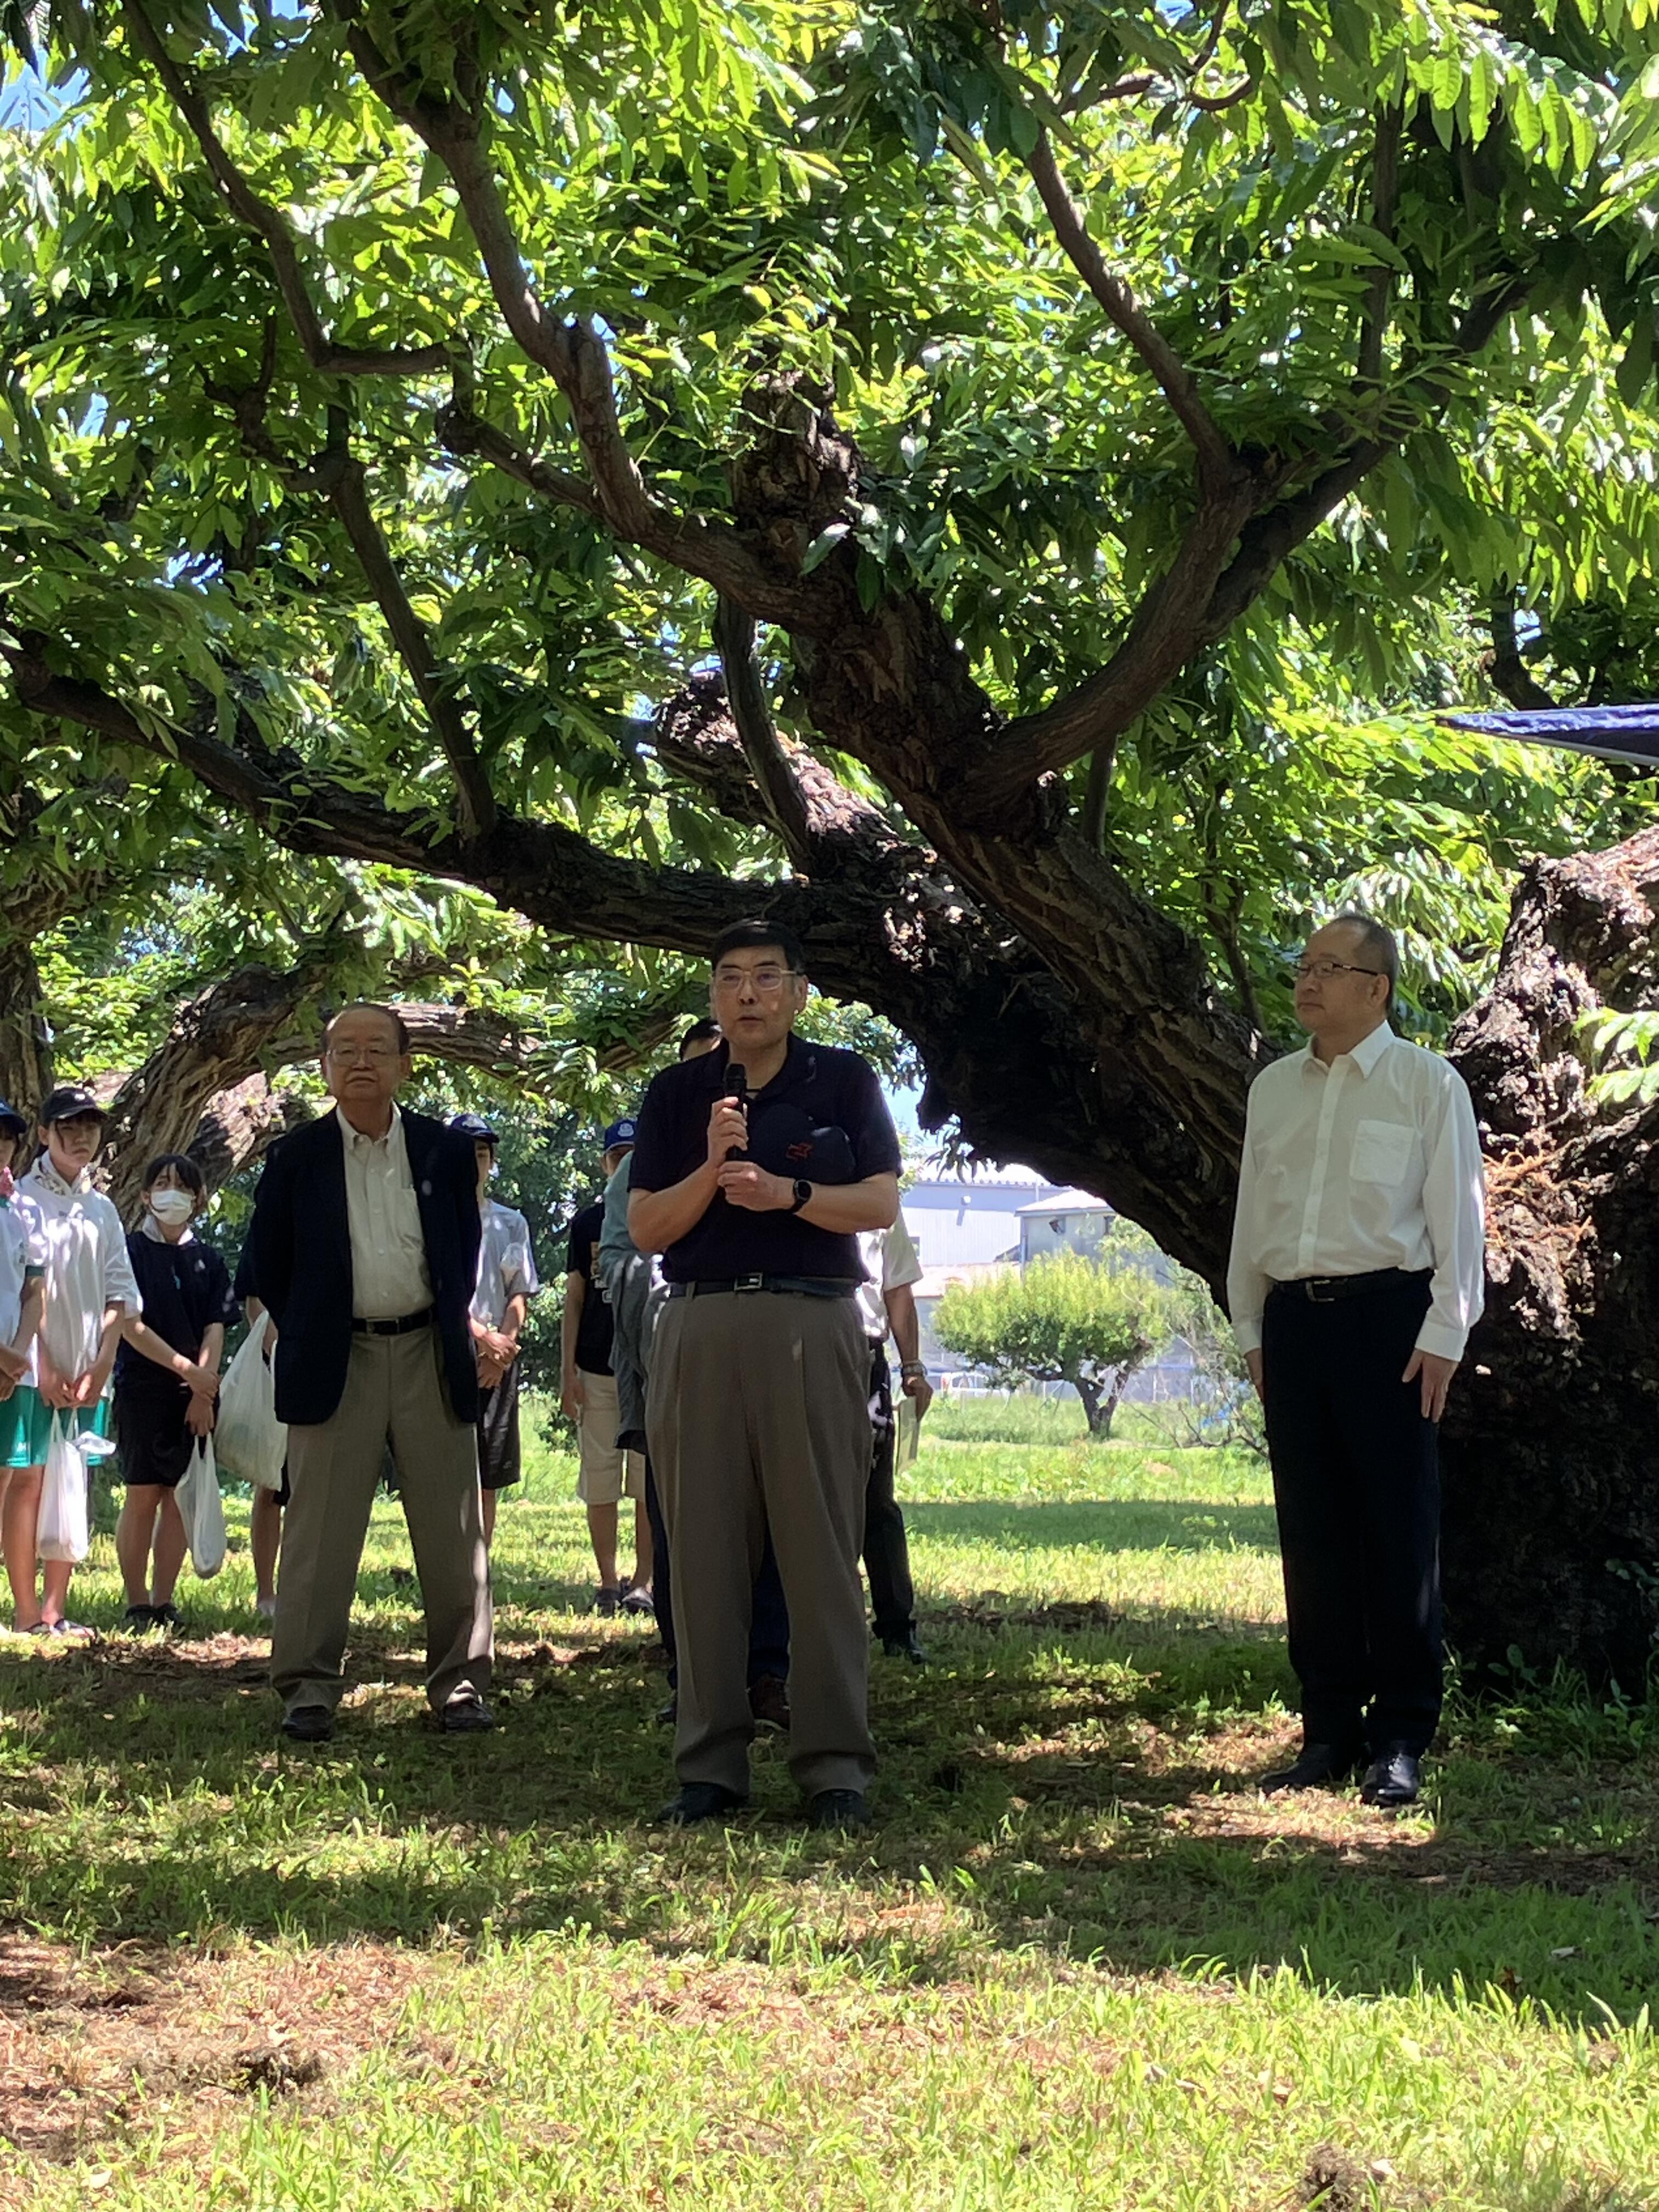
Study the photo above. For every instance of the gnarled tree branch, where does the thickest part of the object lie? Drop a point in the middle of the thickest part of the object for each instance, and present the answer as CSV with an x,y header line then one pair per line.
x,y
781,795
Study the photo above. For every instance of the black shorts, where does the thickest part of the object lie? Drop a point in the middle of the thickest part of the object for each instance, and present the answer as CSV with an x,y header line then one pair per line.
x,y
150,1434
498,1433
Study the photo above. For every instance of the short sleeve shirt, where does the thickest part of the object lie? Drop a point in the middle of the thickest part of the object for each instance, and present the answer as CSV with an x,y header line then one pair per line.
x,y
22,1252
821,1119
595,1329
186,1288
507,1264
891,1263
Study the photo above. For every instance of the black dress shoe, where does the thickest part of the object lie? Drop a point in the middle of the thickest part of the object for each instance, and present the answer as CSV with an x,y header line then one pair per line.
x,y
904,1647
308,1724
699,1802
140,1618
837,1808
1394,1776
465,1716
1318,1766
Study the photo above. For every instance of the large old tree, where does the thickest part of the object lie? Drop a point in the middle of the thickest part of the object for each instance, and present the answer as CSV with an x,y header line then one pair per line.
x,y
958,477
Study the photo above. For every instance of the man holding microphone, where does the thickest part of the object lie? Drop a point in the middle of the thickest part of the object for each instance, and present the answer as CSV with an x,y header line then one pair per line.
x,y
1358,1270
755,1168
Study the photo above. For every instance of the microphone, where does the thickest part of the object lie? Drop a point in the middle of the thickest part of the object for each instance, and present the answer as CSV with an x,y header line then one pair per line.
x,y
737,1090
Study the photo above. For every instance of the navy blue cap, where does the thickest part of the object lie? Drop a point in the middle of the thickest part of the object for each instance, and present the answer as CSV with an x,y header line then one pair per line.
x,y
11,1119
70,1100
476,1127
620,1133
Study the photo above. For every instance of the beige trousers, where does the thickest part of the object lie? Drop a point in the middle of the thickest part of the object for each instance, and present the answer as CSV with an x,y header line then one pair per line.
x,y
393,1389
758,1416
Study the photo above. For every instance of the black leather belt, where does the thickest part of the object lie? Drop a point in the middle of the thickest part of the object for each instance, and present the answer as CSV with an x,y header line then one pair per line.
x,y
1325,1290
400,1327
806,1287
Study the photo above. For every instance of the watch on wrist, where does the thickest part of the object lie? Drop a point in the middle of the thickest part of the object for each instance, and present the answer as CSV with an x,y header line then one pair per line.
x,y
913,1367
803,1194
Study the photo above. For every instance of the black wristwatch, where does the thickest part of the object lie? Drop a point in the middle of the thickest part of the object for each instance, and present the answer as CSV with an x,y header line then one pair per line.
x,y
803,1192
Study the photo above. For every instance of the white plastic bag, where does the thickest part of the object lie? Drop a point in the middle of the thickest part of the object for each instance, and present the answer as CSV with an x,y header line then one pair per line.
x,y
202,1511
62,1531
251,1441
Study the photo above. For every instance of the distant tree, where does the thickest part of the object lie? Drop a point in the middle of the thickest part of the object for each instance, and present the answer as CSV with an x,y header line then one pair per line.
x,y
1066,1319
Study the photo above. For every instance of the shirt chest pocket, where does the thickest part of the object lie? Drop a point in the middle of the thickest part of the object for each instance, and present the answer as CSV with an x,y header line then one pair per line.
x,y
1382,1151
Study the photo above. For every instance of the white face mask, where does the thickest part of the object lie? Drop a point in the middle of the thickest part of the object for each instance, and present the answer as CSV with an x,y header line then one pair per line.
x,y
171,1208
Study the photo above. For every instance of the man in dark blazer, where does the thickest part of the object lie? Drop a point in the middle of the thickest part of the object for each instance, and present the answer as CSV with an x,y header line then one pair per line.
x,y
365,1249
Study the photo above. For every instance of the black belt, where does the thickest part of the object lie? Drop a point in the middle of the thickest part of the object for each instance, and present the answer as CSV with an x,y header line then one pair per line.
x,y
1325,1290
806,1287
400,1327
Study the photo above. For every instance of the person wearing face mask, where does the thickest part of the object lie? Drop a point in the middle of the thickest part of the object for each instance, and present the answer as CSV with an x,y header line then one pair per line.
x,y
22,1294
167,1379
90,1286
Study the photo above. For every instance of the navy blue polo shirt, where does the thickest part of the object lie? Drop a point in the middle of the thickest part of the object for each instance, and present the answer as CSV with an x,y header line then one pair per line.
x,y
821,1119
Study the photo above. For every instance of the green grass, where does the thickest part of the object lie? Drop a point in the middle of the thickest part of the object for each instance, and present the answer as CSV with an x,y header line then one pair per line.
x,y
1078,1962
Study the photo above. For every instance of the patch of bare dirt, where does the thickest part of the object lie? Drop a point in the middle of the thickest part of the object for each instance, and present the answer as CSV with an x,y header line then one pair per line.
x,y
87,2045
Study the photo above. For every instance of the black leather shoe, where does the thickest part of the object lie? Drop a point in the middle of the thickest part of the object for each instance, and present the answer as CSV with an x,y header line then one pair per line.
x,y
308,1724
465,1716
699,1802
837,1808
1394,1776
140,1618
1318,1766
905,1647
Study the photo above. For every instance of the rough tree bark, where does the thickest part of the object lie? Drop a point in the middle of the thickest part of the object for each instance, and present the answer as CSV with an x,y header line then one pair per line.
x,y
25,1041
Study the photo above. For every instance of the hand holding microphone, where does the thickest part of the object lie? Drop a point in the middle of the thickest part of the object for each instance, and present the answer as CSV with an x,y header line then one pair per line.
x,y
728,1121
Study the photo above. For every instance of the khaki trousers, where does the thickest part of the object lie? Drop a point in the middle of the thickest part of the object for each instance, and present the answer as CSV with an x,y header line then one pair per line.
x,y
758,1415
393,1390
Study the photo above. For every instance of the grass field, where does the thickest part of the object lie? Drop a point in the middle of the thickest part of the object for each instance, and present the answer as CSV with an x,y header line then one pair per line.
x,y
1079,1962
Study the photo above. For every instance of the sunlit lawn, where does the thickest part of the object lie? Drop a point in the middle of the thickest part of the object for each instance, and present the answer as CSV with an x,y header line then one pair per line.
x,y
1080,1962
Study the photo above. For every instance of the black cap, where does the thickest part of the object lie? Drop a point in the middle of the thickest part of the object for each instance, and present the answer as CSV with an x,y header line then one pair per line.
x,y
11,1119
70,1099
476,1127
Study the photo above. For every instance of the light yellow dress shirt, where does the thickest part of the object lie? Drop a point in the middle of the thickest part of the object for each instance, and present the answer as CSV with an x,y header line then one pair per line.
x,y
389,1274
1371,1162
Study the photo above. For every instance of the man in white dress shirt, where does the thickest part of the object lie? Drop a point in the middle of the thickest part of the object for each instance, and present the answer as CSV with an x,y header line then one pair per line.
x,y
1358,1271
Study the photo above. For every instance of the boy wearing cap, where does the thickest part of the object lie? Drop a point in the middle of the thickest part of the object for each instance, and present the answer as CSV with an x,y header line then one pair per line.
x,y
589,1397
506,1282
90,1286
23,1292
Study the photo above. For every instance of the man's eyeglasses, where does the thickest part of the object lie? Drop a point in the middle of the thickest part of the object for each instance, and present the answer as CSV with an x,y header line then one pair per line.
x,y
763,979
1320,971
349,1054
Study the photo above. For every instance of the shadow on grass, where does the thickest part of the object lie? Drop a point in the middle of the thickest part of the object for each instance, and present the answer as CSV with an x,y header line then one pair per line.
x,y
1090,1799
1100,1524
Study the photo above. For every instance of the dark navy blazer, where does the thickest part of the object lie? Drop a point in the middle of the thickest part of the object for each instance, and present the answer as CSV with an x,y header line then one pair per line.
x,y
300,1246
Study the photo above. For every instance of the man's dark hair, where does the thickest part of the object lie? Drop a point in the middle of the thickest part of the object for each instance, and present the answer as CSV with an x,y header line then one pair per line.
x,y
697,1033
1375,946
183,1166
758,936
369,1007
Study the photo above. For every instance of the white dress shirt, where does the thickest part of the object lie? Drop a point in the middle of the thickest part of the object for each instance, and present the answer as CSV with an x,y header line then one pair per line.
x,y
389,1274
84,1251
507,1264
890,1264
1371,1162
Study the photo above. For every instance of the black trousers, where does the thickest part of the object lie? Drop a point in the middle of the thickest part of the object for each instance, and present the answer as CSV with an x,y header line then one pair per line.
x,y
886,1550
1357,1485
769,1629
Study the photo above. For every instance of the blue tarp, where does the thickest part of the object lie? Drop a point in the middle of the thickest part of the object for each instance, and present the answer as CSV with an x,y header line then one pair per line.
x,y
1624,733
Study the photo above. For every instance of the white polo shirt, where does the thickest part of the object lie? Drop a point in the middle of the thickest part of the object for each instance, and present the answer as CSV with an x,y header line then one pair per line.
x,y
87,1266
506,1263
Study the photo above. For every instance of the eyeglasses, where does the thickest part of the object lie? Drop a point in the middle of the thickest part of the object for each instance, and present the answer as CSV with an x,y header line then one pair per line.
x,y
763,979
373,1052
1320,971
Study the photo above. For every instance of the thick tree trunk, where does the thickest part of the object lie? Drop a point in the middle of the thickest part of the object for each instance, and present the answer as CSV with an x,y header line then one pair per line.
x,y
25,1042
1551,1436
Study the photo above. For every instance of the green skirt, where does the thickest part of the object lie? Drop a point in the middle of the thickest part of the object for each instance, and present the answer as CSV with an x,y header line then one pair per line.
x,y
25,1425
